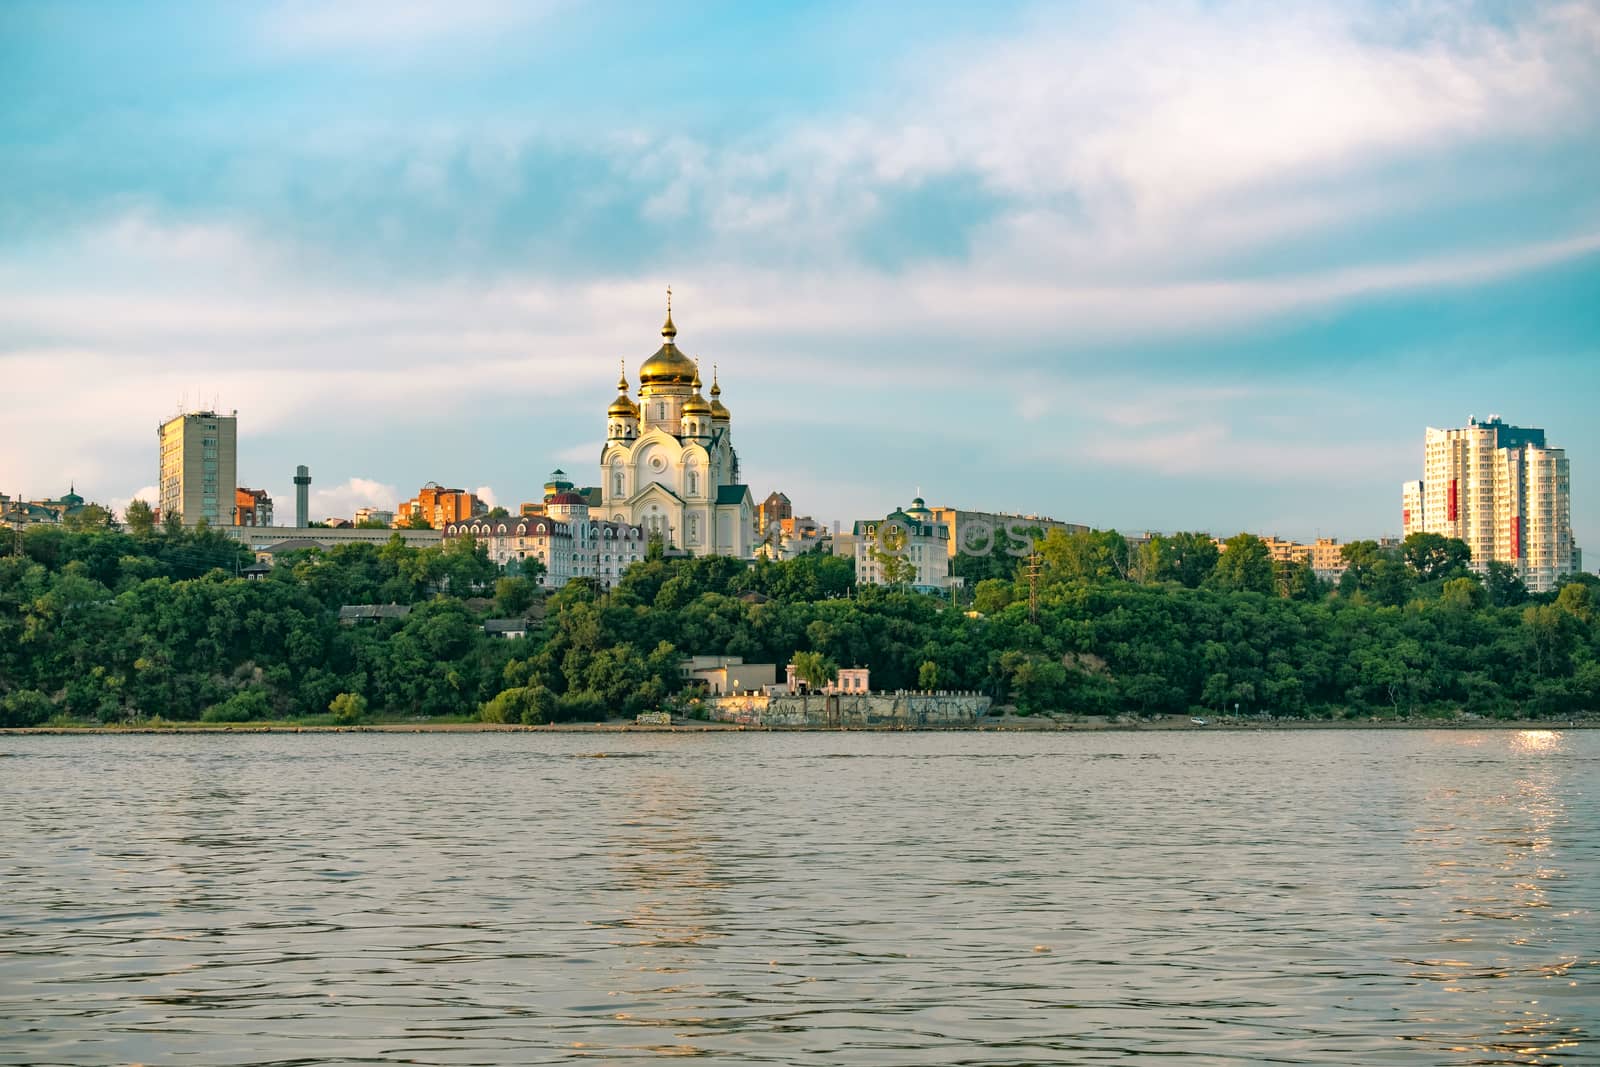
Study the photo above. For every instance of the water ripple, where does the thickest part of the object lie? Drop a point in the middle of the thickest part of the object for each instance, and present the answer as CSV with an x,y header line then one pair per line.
x,y
1327,897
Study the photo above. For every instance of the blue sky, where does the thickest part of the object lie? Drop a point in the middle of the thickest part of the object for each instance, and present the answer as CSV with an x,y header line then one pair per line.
x,y
1166,266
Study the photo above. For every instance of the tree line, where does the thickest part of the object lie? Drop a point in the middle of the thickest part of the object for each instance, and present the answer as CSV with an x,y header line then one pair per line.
x,y
111,624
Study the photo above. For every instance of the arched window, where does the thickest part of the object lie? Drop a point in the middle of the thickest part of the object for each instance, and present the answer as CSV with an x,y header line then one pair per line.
x,y
694,482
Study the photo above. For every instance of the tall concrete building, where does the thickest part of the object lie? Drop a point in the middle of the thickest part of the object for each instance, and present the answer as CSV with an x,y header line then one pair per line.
x,y
1502,490
199,466
302,496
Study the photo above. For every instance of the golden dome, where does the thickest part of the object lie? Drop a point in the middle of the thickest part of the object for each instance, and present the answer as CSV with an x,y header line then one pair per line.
x,y
697,404
668,366
717,410
623,405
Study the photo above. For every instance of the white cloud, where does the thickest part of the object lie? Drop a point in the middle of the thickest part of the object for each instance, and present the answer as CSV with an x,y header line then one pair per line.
x,y
292,353
338,501
1151,136
488,496
150,494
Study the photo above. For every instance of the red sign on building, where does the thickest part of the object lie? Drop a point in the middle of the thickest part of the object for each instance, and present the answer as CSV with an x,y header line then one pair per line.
x,y
1454,507
1516,537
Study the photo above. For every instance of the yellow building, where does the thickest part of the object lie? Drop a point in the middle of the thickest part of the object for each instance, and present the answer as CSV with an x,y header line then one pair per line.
x,y
199,467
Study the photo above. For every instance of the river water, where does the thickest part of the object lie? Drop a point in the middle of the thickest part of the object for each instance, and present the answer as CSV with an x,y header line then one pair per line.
x,y
1299,897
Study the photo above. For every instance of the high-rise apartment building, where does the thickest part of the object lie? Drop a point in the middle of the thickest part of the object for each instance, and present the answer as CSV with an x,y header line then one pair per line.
x,y
1502,490
199,466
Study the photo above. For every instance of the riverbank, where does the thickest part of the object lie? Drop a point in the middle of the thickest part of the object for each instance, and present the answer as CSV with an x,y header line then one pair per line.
x,y
991,724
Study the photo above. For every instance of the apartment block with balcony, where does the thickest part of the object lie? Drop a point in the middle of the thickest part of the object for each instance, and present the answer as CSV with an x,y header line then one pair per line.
x,y
1502,490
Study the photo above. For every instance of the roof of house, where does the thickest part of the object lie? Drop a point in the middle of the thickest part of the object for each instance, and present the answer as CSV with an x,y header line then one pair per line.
x,y
732,494
505,626
294,544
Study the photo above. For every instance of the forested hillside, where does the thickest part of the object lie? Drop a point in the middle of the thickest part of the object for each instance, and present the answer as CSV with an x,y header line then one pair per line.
x,y
102,625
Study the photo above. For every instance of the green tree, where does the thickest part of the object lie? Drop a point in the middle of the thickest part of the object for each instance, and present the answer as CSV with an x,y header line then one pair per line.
x,y
1577,599
1504,587
172,524
25,707
348,708
87,518
243,706
417,521
928,675
1097,556
140,518
514,596
1463,594
1244,566
894,567
814,669
1185,558
1433,556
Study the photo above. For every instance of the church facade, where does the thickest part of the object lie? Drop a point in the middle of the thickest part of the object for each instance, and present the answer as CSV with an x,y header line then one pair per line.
x,y
668,464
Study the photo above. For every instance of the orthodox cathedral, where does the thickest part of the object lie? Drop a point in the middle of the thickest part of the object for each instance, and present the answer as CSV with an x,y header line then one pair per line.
x,y
668,464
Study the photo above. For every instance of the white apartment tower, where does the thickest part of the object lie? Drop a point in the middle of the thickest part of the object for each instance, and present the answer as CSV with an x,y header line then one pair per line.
x,y
1503,491
199,466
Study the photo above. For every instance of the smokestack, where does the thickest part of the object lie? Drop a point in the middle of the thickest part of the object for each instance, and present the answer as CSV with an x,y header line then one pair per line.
x,y
302,495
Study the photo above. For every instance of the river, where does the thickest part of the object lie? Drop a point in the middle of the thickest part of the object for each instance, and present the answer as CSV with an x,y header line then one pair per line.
x,y
1338,897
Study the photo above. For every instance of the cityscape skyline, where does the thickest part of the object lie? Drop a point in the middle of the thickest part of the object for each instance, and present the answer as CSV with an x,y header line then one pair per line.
x,y
1157,317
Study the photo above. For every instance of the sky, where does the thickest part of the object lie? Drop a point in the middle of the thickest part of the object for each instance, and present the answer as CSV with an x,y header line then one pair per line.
x,y
1165,266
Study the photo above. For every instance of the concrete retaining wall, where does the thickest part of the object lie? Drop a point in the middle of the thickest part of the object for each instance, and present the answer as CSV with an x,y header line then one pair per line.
x,y
853,711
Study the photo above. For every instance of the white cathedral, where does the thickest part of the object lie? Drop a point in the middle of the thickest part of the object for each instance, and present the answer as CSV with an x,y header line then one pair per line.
x,y
668,464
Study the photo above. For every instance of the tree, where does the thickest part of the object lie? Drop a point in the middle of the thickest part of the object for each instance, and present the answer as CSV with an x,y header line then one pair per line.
x,y
894,567
928,675
1504,587
1244,566
140,518
1433,556
172,524
243,706
25,707
87,518
992,595
1085,557
514,596
814,669
1463,594
417,521
1186,558
1577,599
348,708
1378,572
